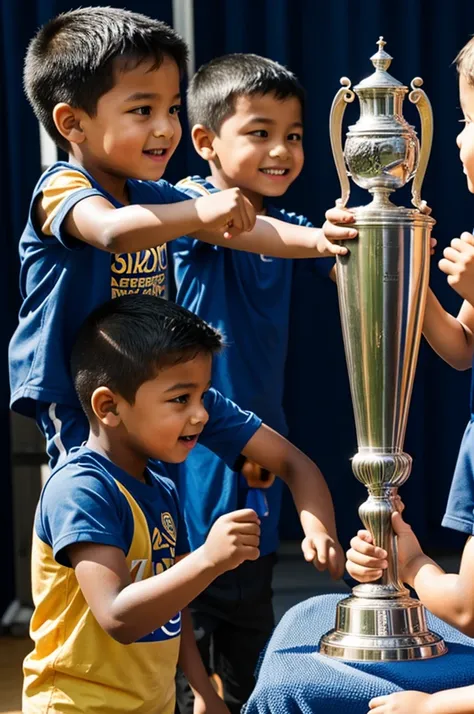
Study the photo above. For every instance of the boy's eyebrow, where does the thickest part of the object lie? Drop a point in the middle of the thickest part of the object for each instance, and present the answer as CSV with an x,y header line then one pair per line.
x,y
185,385
140,96
266,120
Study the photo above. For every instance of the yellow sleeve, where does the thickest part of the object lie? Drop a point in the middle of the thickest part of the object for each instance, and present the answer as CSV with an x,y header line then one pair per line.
x,y
59,187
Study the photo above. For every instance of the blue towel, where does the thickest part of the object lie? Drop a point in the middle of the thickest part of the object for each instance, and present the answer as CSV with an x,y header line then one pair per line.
x,y
294,677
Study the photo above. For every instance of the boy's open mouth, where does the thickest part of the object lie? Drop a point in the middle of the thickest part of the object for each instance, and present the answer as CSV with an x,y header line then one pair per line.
x,y
155,152
275,172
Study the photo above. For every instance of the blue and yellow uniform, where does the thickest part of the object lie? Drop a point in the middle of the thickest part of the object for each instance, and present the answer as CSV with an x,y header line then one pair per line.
x,y
75,666
62,280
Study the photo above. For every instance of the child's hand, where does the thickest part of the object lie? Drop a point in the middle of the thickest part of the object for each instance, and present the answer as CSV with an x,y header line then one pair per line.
x,y
458,265
365,561
233,538
324,552
400,703
229,212
334,232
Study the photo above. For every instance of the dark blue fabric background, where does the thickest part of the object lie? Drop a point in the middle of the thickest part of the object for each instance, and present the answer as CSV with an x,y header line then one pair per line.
x,y
320,41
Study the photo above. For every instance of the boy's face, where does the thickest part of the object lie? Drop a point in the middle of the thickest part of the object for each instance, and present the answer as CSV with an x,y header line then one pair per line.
x,y
259,148
168,414
136,127
465,139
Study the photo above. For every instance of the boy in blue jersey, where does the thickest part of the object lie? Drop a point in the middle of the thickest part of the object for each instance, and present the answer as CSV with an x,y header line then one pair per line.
x,y
449,596
107,568
104,83
246,114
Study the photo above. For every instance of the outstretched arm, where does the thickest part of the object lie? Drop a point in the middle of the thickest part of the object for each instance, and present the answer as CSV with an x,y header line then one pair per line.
x,y
310,494
129,610
450,337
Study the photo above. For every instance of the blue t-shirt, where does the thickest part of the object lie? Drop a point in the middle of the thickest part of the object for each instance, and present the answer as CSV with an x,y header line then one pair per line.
x,y
246,296
89,499
63,279
76,665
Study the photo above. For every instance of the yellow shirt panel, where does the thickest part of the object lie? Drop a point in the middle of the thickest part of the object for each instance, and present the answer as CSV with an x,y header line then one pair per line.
x,y
58,188
76,666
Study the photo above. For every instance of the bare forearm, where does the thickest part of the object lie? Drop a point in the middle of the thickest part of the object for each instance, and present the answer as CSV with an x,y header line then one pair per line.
x,y
271,237
440,593
452,701
136,227
144,606
447,335
312,498
190,659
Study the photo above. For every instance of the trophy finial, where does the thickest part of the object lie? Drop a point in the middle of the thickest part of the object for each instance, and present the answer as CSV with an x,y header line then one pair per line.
x,y
381,59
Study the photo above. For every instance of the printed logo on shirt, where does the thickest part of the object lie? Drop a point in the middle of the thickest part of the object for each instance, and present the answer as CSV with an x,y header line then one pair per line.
x,y
265,258
143,272
169,526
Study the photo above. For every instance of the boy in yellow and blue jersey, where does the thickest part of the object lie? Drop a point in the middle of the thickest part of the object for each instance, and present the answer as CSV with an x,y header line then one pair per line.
x,y
246,114
109,534
105,83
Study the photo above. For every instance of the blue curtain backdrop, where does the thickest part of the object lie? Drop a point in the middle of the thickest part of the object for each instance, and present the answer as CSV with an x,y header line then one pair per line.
x,y
320,41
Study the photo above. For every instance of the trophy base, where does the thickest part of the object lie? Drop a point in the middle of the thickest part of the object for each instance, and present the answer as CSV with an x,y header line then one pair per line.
x,y
370,629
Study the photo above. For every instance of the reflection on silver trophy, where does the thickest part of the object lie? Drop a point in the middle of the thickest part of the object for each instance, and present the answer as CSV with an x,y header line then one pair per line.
x,y
382,284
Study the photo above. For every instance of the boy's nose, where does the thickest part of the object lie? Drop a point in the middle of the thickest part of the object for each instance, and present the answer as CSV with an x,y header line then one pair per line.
x,y
163,129
199,417
279,151
459,140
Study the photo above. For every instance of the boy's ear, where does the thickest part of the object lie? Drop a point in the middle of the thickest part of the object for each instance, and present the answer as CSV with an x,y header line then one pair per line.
x,y
68,122
104,406
203,139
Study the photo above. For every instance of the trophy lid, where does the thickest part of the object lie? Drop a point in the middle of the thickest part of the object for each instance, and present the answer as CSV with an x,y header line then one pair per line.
x,y
380,78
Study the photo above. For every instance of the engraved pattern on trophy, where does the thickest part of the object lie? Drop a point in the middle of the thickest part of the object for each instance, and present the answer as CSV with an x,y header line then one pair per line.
x,y
382,285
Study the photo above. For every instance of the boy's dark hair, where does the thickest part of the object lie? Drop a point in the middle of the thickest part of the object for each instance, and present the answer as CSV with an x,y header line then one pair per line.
x,y
71,58
215,86
126,341
465,61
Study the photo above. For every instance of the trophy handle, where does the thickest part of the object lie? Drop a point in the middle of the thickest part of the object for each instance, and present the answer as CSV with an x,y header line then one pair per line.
x,y
418,96
344,96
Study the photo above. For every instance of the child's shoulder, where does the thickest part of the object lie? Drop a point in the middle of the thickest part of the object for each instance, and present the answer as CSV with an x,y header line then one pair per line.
x,y
82,474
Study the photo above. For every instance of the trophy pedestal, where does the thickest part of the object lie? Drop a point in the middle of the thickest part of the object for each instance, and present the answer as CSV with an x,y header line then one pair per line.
x,y
373,629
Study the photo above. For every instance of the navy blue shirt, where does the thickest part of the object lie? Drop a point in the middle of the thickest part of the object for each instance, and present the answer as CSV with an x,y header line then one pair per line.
x,y
63,279
247,297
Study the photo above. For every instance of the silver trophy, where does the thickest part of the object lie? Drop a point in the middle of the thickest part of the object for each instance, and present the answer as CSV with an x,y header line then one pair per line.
x,y
382,284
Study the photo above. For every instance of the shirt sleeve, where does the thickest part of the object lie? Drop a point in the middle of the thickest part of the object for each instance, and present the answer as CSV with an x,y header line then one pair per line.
x,y
58,196
229,428
82,508
460,509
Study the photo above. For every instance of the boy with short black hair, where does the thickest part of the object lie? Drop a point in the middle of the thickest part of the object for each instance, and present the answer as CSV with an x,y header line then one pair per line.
x,y
105,84
448,596
109,531
246,114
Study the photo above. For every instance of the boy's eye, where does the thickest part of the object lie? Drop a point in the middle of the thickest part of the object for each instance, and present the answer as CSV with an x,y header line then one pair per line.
x,y
175,109
261,133
182,399
295,137
142,111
